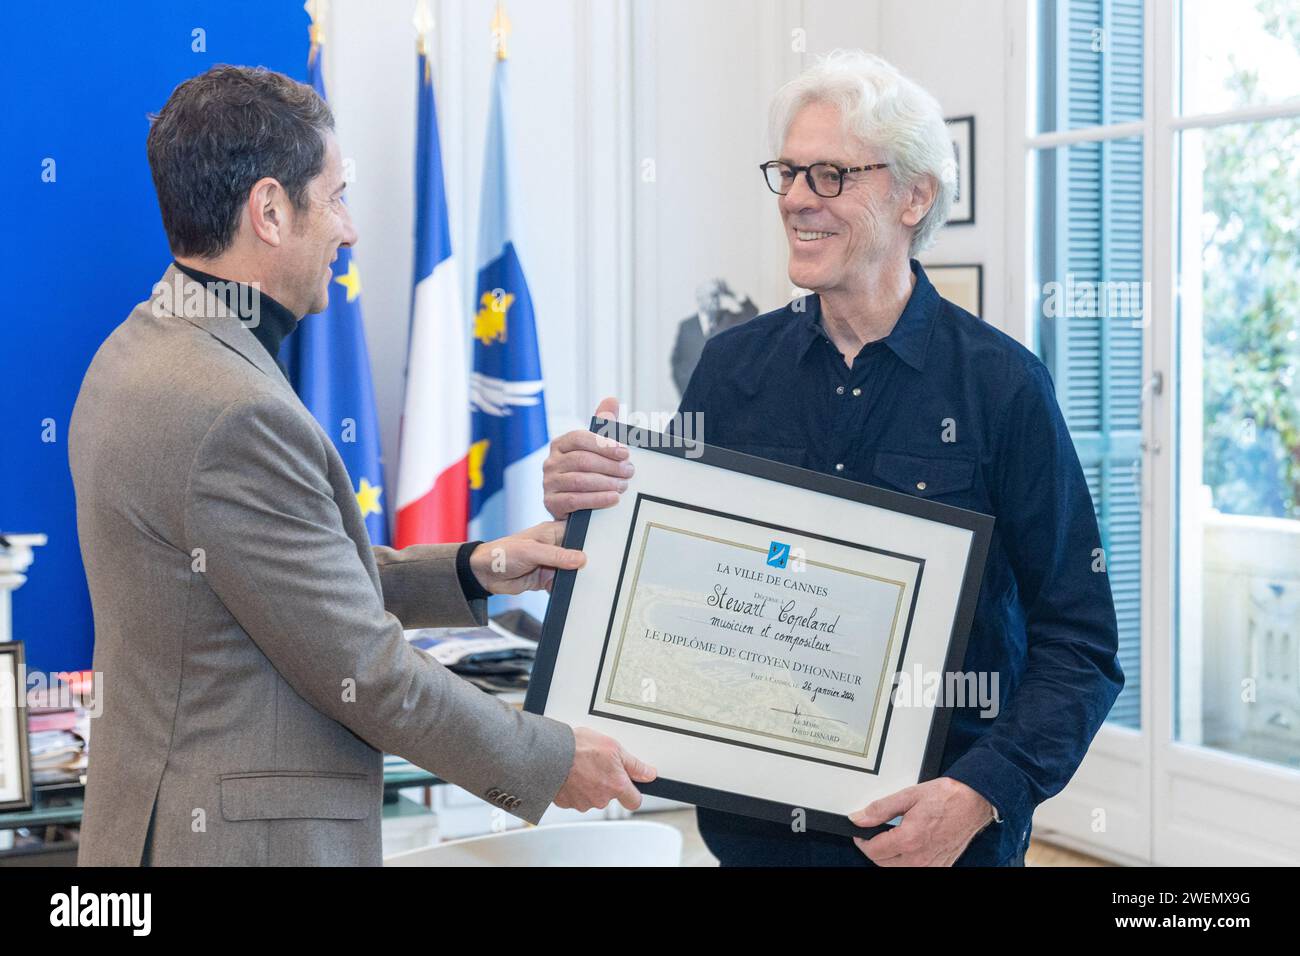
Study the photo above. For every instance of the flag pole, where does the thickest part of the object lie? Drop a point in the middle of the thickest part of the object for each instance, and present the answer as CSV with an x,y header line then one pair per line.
x,y
501,31
317,10
424,26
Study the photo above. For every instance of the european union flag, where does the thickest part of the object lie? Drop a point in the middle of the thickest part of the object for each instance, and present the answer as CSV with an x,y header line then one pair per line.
x,y
329,368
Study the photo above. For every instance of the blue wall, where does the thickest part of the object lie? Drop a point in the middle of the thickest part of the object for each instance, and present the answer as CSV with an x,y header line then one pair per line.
x,y
77,82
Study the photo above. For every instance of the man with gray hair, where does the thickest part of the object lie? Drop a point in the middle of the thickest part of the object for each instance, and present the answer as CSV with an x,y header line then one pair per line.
x,y
876,378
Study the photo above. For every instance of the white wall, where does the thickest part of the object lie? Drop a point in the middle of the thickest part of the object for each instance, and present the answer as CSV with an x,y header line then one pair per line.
x,y
612,246
370,78
372,84
703,75
957,49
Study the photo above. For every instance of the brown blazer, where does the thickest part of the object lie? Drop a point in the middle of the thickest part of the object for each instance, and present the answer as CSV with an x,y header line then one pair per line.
x,y
249,636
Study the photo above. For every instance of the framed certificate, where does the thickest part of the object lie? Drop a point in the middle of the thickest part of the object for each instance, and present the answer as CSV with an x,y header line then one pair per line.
x,y
15,769
743,625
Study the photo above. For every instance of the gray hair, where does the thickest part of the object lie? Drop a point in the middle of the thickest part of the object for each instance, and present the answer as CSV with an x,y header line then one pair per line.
x,y
885,109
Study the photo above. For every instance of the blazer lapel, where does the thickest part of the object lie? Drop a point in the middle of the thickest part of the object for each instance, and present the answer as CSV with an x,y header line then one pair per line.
x,y
178,295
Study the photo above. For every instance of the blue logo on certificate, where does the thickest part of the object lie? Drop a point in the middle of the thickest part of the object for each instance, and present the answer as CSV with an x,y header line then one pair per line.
x,y
778,554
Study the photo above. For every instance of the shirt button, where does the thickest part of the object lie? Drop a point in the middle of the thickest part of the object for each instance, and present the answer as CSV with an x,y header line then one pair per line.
x,y
840,390
839,466
920,486
857,392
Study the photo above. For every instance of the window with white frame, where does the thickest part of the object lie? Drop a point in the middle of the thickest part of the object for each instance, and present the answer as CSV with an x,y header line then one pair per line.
x,y
1236,157
1219,150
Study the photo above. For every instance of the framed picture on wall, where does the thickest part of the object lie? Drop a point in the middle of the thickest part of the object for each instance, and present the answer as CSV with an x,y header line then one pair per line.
x,y
962,131
15,768
961,285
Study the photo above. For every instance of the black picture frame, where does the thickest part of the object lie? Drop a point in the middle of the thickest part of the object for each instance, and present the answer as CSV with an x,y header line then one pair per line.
x,y
962,131
17,714
979,525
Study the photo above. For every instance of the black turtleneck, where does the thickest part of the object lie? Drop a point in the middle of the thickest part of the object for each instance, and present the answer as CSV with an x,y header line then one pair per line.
x,y
274,324
274,321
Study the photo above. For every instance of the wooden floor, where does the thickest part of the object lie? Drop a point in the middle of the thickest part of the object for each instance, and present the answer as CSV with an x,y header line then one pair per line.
x,y
695,853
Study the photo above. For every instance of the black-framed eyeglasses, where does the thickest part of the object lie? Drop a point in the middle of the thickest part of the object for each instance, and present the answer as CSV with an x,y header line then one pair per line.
x,y
825,179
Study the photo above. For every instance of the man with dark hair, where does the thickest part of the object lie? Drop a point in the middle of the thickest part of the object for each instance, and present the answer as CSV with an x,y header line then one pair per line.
x,y
249,636
203,128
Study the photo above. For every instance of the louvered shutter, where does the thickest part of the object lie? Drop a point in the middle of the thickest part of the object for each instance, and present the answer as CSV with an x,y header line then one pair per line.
x,y
1091,230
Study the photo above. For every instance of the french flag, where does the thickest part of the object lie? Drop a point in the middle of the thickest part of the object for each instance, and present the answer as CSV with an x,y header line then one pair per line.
x,y
433,468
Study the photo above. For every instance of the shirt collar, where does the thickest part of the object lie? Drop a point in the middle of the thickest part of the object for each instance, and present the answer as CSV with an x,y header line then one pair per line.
x,y
910,337
275,321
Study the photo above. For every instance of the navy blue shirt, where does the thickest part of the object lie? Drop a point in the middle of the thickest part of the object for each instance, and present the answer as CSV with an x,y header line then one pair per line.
x,y
947,408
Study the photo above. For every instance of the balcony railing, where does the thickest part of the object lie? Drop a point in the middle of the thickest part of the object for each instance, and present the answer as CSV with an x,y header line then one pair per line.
x,y
1250,639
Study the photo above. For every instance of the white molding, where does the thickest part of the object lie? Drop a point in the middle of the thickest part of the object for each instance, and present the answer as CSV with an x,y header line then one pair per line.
x,y
1113,778
645,311
782,63
15,559
605,175
1018,235
625,110
1094,134
453,134
1221,809
1084,134
585,164
1250,114
1156,524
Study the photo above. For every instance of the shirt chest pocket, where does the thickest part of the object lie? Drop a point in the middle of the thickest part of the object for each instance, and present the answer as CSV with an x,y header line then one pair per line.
x,y
926,477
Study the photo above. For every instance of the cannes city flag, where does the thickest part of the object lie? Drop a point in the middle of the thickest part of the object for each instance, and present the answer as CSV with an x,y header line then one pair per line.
x,y
329,368
508,424
433,471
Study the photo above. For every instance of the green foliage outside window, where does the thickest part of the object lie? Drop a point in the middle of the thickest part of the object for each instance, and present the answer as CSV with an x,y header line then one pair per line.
x,y
1251,301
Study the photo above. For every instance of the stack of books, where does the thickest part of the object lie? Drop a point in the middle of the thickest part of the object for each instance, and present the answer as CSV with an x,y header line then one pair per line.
x,y
58,739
